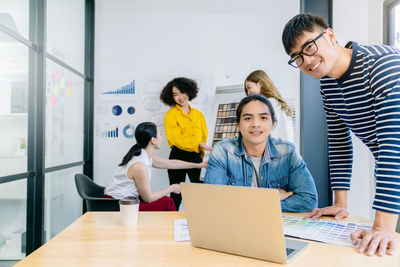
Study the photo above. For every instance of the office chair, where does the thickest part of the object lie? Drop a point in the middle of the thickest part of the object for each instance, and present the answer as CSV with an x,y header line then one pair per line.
x,y
93,194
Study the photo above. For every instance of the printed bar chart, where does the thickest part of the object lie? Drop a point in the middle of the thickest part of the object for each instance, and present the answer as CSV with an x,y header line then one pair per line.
x,y
124,90
110,134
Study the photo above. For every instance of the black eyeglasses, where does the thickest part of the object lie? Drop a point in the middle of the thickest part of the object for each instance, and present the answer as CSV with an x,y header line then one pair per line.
x,y
309,49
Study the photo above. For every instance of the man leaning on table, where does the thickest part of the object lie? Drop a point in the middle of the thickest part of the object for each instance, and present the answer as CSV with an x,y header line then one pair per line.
x,y
360,89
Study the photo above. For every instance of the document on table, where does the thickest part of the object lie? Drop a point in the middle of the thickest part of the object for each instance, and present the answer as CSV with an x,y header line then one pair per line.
x,y
327,231
181,230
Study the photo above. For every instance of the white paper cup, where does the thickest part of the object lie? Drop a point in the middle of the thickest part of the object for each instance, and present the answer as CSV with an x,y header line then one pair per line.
x,y
129,210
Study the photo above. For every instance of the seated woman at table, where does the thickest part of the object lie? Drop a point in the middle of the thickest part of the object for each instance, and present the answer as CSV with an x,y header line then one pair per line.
x,y
132,178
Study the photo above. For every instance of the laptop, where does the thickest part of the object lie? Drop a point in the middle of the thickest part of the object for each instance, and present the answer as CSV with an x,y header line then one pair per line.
x,y
244,221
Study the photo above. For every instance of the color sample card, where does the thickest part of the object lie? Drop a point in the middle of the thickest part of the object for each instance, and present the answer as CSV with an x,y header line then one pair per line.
x,y
181,230
327,231
225,125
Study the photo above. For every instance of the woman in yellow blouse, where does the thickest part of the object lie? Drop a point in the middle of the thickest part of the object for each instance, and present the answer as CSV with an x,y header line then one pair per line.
x,y
186,130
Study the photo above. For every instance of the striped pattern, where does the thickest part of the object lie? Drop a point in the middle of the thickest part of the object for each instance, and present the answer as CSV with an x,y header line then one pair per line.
x,y
366,100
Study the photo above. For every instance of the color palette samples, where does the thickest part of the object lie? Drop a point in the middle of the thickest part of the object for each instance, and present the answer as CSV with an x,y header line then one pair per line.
x,y
327,231
225,125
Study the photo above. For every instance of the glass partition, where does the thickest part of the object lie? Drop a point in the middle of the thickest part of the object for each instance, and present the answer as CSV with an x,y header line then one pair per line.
x,y
66,31
64,116
63,205
14,58
12,220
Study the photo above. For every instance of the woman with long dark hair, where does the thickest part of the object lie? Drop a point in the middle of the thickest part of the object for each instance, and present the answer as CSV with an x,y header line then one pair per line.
x,y
133,176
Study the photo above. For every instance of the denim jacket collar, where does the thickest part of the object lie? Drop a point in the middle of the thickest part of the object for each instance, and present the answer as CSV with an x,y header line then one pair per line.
x,y
269,152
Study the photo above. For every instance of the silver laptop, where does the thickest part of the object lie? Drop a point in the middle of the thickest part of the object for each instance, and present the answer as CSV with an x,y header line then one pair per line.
x,y
238,220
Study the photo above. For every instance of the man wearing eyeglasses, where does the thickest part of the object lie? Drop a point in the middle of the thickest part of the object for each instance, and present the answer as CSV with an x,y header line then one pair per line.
x,y
360,89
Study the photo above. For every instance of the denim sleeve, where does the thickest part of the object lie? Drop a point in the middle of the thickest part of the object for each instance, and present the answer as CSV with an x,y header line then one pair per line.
x,y
301,183
217,167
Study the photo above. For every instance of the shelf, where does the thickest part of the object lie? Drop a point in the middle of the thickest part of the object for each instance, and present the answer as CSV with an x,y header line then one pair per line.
x,y
12,156
14,115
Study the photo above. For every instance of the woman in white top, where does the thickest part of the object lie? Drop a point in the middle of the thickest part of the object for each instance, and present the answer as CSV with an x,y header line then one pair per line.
x,y
258,82
132,178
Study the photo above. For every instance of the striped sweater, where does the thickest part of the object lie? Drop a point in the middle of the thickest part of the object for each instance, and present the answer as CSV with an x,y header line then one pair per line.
x,y
366,101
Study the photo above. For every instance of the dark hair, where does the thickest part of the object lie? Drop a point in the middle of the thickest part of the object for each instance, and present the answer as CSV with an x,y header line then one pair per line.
x,y
251,98
185,85
295,28
143,134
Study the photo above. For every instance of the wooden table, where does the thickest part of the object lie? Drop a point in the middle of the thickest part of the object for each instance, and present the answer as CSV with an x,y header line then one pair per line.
x,y
98,239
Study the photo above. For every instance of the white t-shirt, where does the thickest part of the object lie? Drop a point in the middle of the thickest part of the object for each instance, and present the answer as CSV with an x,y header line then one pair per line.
x,y
121,186
284,124
256,171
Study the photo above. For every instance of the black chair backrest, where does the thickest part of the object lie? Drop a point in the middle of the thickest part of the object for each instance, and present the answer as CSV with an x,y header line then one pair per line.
x,y
93,194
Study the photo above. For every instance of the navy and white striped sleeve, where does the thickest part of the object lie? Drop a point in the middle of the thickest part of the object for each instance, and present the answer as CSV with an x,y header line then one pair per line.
x,y
340,149
385,86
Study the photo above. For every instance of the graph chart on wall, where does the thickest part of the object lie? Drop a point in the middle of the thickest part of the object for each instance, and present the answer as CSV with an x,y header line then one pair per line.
x,y
128,89
115,112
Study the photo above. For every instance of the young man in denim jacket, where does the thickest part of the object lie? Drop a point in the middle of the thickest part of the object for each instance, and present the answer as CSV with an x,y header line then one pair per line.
x,y
257,160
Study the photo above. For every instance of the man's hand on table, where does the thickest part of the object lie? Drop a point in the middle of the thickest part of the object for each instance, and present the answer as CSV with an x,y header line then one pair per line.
x,y
380,240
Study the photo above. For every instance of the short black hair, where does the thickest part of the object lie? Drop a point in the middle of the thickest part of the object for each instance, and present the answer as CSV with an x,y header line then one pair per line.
x,y
185,85
304,22
251,98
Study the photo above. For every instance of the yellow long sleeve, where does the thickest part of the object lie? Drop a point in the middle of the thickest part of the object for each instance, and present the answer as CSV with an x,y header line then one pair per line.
x,y
185,131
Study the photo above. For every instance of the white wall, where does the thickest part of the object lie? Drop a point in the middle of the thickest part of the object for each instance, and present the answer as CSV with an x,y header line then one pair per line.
x,y
224,40
360,21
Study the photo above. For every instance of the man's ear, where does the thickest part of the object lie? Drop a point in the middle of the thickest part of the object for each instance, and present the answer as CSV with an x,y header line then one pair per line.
x,y
331,36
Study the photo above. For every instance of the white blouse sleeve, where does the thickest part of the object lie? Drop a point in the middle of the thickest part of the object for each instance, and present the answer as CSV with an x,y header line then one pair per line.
x,y
284,125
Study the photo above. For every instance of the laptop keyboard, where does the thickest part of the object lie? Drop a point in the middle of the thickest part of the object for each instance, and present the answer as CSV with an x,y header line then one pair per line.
x,y
289,251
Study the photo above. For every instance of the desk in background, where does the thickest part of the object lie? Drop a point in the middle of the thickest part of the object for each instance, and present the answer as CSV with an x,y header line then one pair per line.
x,y
98,239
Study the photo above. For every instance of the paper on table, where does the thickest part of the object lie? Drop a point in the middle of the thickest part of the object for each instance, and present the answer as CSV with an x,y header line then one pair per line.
x,y
327,231
181,230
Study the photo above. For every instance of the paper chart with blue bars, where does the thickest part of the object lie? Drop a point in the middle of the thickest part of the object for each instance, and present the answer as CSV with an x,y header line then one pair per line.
x,y
327,231
124,90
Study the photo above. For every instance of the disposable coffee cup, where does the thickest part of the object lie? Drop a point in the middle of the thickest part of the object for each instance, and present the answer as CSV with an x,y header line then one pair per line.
x,y
129,210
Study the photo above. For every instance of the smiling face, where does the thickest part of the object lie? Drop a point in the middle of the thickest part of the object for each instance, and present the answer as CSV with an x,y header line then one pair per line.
x,y
253,88
182,99
255,124
322,62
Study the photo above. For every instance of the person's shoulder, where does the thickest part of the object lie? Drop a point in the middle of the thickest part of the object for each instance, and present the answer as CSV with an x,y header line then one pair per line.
x,y
143,157
228,144
170,112
196,111
376,50
136,166
283,147
273,101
